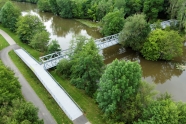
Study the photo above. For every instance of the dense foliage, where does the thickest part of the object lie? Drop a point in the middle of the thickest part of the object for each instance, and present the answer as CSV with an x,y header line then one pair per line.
x,y
119,82
134,32
9,15
40,41
86,68
28,26
44,5
112,23
13,108
53,47
162,45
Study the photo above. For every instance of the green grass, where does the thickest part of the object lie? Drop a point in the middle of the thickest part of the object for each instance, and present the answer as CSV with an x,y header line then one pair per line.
x,y
89,23
88,105
47,99
3,42
34,53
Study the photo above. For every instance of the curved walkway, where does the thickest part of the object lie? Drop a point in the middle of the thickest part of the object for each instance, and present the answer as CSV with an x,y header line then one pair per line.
x,y
27,91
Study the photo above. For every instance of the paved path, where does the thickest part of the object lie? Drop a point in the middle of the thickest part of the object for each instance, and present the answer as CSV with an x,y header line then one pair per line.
x,y
60,96
27,91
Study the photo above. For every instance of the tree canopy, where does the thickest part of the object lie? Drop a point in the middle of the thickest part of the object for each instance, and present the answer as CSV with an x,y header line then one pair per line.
x,y
28,26
112,23
87,68
119,82
162,45
13,108
134,32
9,15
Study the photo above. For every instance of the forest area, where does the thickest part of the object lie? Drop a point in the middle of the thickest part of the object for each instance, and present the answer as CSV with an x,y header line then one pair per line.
x,y
117,88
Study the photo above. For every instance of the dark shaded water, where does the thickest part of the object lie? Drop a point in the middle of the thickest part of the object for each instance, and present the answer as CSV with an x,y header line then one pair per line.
x,y
163,73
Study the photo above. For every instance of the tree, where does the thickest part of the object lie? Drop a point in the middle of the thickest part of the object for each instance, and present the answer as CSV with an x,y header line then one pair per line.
x,y
134,32
53,47
162,45
177,11
87,68
112,23
65,8
44,5
54,7
28,26
118,84
20,112
160,112
152,7
10,87
9,15
40,41
63,68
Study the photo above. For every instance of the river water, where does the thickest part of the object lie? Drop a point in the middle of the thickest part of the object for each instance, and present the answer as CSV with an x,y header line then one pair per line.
x,y
161,73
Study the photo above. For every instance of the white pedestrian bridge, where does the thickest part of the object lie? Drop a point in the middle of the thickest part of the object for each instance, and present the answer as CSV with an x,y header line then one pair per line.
x,y
71,109
51,60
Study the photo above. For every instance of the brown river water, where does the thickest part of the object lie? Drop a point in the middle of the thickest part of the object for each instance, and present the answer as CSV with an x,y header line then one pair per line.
x,y
162,73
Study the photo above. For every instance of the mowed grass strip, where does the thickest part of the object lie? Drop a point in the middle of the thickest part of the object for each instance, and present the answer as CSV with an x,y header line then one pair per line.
x,y
3,43
43,94
90,108
36,54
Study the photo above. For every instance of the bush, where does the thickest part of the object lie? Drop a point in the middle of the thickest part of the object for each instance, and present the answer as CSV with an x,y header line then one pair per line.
x,y
63,68
53,47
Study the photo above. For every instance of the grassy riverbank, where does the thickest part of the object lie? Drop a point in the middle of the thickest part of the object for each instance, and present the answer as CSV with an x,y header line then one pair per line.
x,y
3,42
89,23
88,105
43,94
34,53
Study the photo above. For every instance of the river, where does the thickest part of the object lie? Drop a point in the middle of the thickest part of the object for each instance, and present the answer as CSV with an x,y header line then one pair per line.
x,y
161,73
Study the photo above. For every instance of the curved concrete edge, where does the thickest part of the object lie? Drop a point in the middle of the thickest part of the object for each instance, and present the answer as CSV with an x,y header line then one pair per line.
x,y
26,89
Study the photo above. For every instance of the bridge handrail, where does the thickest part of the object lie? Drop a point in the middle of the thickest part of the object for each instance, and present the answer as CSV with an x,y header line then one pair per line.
x,y
50,57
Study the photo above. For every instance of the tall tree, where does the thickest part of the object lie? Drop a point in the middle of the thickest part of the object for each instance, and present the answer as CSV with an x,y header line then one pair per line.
x,y
10,87
134,32
44,5
40,41
28,26
119,82
87,68
65,8
9,15
162,45
177,11
112,23
151,8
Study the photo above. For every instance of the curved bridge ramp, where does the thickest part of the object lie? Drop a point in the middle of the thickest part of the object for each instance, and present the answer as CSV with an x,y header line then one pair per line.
x,y
65,102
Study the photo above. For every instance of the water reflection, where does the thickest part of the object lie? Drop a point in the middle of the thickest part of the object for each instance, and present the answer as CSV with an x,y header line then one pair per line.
x,y
163,73
60,29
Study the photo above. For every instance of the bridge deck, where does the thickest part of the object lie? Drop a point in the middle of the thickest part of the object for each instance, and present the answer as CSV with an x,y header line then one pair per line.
x,y
63,100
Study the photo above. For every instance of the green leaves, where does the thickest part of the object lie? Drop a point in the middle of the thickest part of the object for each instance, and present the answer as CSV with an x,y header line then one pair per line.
x,y
162,45
28,26
112,23
86,67
119,82
134,32
9,15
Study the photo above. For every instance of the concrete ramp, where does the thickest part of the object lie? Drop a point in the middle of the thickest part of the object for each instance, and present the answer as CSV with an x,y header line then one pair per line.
x,y
61,97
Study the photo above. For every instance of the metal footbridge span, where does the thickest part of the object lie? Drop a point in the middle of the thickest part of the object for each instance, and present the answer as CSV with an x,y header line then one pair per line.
x,y
51,60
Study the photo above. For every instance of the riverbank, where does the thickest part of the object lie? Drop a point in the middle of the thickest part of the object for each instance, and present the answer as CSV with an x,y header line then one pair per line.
x,y
89,23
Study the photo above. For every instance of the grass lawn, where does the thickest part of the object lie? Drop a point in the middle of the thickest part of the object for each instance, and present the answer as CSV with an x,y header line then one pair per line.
x,y
47,99
89,23
3,42
88,105
34,53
